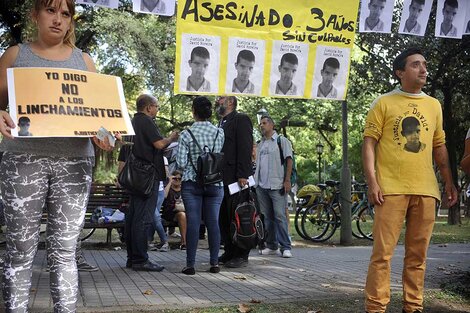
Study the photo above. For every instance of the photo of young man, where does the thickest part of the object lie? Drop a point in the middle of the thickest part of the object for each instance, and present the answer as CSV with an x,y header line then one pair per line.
x,y
287,69
198,63
244,66
376,16
412,25
329,73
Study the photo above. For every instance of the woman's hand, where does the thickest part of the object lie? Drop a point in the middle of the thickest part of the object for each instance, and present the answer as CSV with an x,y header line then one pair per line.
x,y
6,124
103,144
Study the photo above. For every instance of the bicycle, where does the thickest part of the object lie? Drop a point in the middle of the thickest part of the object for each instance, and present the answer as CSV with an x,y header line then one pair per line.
x,y
307,196
320,221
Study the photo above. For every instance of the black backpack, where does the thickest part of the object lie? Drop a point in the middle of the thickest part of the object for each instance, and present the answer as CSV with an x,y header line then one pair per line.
x,y
209,164
246,228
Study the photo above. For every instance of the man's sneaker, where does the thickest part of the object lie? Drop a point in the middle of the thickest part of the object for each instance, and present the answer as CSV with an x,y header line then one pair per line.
x,y
267,251
83,266
236,263
286,254
164,248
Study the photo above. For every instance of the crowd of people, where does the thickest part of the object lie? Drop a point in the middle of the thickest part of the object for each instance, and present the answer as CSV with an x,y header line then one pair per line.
x,y
56,173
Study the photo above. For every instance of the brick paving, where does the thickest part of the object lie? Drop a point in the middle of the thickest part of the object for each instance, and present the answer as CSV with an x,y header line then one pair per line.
x,y
313,273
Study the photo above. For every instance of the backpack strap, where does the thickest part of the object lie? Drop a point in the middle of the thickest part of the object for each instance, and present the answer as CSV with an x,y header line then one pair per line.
x,y
281,153
215,139
189,152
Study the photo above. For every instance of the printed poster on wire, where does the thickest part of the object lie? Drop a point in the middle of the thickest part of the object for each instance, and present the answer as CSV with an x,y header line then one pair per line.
x,y
295,49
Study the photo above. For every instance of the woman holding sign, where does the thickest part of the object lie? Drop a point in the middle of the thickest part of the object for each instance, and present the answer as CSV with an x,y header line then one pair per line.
x,y
44,172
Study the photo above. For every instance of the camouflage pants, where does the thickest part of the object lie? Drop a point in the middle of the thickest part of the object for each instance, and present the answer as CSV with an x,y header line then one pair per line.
x,y
29,183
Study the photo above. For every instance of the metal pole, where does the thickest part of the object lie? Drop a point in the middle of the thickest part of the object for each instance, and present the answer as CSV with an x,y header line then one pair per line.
x,y
345,231
319,168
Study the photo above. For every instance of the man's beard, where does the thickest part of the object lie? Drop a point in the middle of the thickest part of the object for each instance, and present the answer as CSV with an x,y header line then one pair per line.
x,y
221,110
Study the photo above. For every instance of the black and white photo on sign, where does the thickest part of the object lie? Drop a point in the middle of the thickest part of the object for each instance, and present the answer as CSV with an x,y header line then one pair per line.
x,y
113,4
376,16
245,66
467,21
288,68
200,63
159,7
330,72
450,18
414,17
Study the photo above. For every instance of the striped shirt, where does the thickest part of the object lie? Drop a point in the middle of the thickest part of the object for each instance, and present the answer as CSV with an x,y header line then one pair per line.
x,y
205,134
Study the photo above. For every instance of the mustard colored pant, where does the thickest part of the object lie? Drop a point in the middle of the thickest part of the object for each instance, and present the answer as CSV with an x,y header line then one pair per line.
x,y
419,212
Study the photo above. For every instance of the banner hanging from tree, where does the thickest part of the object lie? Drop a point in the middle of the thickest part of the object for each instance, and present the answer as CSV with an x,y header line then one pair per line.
x,y
57,102
298,48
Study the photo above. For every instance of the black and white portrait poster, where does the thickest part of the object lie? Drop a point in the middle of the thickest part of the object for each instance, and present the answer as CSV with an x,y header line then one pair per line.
x,y
450,18
375,16
245,66
200,63
331,72
113,4
414,17
159,7
467,21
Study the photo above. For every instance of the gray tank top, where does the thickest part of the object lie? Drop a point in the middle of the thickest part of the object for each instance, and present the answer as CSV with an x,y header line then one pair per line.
x,y
61,146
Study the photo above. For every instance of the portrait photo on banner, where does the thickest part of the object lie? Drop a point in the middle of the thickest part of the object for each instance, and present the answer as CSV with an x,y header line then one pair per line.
x,y
375,16
113,4
200,63
158,7
331,72
415,17
450,18
245,66
467,21
288,68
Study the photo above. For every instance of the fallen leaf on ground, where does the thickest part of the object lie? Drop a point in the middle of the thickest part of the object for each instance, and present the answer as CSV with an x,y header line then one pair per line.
x,y
326,285
243,308
255,301
240,277
148,292
319,311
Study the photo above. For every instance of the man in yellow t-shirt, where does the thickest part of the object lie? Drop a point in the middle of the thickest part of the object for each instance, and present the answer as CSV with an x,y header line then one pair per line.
x,y
403,133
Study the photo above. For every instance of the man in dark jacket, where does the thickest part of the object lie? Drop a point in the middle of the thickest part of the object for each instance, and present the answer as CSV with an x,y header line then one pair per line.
x,y
237,148
148,145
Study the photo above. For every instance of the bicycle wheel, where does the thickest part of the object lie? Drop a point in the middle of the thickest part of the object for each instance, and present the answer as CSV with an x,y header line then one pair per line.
x,y
365,221
354,218
319,222
298,216
86,233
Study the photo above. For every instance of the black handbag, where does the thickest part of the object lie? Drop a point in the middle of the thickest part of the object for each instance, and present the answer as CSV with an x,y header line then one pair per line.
x,y
137,176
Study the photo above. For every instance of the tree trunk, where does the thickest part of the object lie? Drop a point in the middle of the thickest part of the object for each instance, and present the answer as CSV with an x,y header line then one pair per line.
x,y
453,217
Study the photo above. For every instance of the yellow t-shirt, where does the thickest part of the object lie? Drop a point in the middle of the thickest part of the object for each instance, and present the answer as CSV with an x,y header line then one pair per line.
x,y
407,127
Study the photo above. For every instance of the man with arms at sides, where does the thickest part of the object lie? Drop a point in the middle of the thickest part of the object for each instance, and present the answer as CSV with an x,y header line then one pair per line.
x,y
148,146
287,69
153,6
329,73
199,62
449,11
402,184
244,66
237,148
272,184
373,21
411,25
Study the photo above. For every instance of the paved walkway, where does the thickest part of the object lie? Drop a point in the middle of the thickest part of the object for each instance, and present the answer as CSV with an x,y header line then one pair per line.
x,y
313,273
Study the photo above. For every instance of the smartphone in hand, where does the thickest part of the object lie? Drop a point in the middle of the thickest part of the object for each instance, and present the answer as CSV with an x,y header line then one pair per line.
x,y
282,191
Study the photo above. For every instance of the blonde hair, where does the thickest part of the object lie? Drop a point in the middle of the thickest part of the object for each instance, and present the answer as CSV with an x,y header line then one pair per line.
x,y
69,38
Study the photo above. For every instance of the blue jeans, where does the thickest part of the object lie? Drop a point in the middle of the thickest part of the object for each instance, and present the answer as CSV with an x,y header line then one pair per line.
x,y
157,221
196,199
273,207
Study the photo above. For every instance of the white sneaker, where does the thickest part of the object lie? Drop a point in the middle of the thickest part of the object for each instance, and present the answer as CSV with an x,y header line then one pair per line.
x,y
164,248
175,235
286,254
267,251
